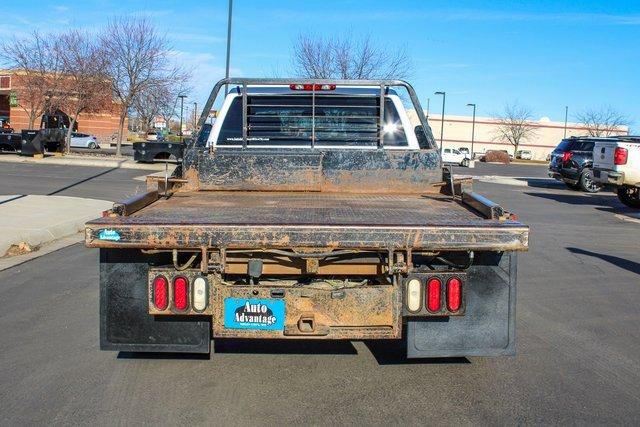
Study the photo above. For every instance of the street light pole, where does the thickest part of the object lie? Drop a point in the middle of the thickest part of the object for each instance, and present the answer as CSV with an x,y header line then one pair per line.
x,y
182,97
444,97
428,101
226,74
473,127
566,116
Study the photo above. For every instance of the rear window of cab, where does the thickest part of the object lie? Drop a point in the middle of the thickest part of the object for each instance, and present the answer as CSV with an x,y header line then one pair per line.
x,y
291,120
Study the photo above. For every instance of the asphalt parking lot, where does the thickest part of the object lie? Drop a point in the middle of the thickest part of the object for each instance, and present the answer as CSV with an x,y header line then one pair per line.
x,y
578,332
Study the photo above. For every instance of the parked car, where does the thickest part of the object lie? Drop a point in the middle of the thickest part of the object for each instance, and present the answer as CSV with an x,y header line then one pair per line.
x,y
617,161
152,136
82,140
524,155
453,156
572,163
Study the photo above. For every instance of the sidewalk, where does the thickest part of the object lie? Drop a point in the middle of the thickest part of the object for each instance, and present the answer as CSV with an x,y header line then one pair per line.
x,y
37,220
90,161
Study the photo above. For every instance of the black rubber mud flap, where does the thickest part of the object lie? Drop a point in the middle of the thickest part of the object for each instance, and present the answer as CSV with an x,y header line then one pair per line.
x,y
488,327
125,323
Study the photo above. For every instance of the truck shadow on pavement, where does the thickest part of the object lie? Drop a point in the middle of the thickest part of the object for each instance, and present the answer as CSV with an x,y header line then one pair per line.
x,y
386,352
162,356
597,199
626,264
275,346
394,352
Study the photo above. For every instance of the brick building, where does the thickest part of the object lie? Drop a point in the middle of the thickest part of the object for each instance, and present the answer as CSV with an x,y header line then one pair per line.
x,y
102,124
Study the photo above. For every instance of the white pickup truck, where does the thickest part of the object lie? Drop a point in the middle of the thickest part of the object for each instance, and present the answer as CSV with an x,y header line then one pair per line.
x,y
617,162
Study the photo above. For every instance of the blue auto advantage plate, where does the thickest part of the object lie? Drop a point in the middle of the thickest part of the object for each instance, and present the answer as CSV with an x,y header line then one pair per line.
x,y
259,314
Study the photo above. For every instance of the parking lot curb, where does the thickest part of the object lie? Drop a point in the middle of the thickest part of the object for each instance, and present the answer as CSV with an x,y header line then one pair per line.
x,y
34,221
71,160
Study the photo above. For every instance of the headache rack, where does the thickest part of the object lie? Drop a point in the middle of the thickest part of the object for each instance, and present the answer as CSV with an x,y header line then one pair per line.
x,y
313,115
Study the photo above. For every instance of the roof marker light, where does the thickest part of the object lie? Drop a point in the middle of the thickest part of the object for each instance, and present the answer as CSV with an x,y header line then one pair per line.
x,y
312,87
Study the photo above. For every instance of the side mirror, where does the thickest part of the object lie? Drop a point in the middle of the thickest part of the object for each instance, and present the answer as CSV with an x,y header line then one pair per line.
x,y
423,141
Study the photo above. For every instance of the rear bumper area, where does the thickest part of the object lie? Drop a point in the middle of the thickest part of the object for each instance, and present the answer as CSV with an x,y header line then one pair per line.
x,y
604,176
358,313
563,177
483,326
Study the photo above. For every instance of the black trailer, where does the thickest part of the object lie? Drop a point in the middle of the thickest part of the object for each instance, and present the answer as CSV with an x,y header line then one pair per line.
x,y
150,151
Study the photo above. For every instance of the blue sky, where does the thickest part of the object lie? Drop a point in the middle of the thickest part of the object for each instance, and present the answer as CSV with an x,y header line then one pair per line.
x,y
543,54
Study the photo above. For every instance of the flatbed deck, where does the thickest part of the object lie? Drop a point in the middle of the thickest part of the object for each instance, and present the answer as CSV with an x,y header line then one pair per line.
x,y
239,219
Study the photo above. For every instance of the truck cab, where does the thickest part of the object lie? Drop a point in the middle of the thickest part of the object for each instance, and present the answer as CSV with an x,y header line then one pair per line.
x,y
311,209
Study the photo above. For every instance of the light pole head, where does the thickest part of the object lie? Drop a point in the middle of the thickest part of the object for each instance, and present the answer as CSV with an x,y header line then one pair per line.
x,y
439,93
471,105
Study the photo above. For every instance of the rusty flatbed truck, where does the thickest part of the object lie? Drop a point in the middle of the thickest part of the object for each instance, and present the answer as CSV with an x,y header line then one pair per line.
x,y
310,210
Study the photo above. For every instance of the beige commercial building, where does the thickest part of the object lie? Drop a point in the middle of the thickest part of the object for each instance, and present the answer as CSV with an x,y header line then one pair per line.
x,y
457,134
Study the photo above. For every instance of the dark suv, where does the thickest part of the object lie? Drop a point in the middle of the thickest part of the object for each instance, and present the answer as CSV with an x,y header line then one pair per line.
x,y
572,163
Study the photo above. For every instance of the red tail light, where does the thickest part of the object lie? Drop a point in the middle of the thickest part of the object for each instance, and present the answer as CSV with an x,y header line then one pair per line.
x,y
566,156
180,293
161,293
310,87
433,294
620,156
454,294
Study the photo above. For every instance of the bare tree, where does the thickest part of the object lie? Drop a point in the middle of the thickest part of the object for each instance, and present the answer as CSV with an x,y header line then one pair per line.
x,y
515,125
36,63
139,61
605,121
148,105
160,99
347,58
85,86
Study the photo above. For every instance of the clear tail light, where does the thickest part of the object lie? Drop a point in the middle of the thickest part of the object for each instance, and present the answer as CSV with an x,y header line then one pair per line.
x,y
414,296
200,294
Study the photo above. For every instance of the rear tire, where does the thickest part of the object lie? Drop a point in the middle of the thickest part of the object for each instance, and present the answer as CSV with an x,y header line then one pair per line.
x,y
465,163
587,183
92,146
630,196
